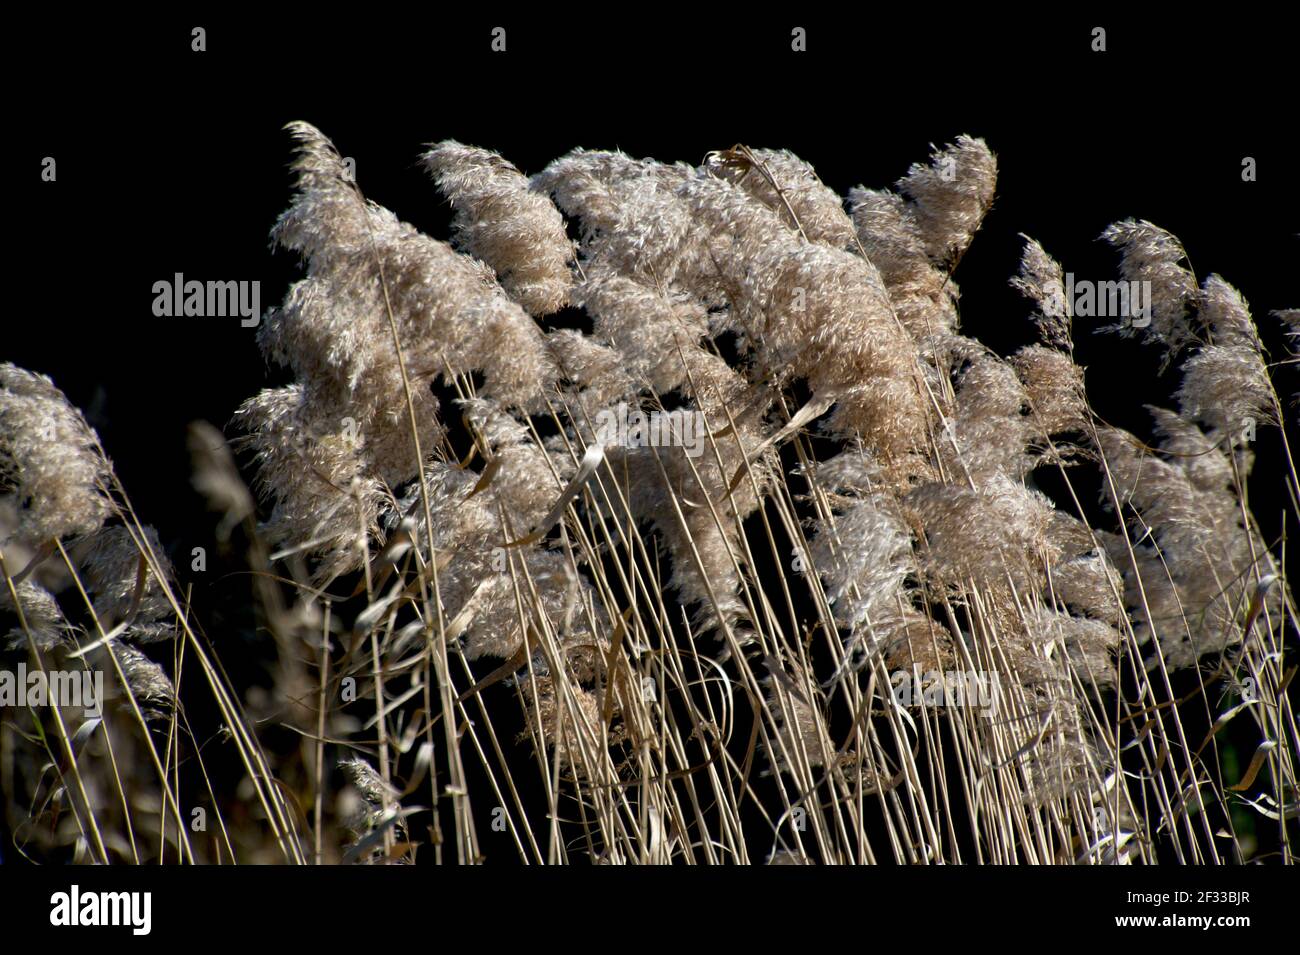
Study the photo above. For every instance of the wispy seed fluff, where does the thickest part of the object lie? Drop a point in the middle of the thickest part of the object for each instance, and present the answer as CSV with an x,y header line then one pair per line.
x,y
500,220
329,442
480,580
1225,384
1090,645
310,465
123,584
865,553
570,734
811,311
147,682
631,220
451,314
1054,386
988,433
951,195
49,459
991,535
1090,584
864,560
1042,279
924,298
648,327
790,187
366,809
1150,254
1197,454
40,613
914,235
675,492
801,735
1188,587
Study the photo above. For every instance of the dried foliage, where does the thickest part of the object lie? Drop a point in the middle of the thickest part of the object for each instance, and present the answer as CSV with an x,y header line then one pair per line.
x,y
490,613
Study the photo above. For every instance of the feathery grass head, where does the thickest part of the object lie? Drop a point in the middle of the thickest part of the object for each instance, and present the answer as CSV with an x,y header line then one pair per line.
x,y
502,221
1148,253
50,460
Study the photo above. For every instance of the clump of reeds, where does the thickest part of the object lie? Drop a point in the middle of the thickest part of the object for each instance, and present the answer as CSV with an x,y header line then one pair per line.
x,y
515,637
